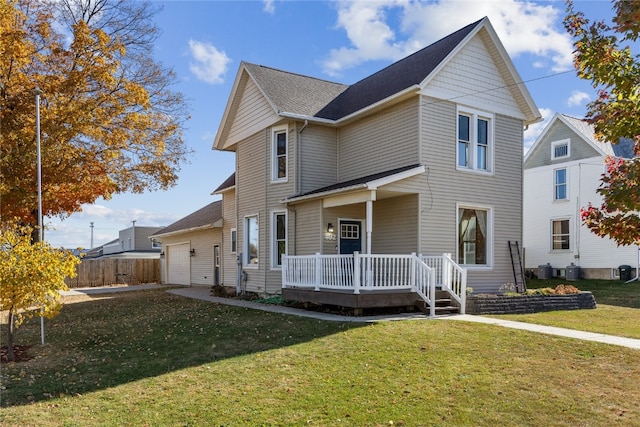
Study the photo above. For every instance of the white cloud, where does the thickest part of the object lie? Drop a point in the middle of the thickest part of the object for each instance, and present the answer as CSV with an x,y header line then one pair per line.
x,y
209,64
75,231
123,217
578,98
269,6
523,27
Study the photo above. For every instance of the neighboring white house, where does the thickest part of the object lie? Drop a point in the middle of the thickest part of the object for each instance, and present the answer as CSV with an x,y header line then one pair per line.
x,y
562,172
132,242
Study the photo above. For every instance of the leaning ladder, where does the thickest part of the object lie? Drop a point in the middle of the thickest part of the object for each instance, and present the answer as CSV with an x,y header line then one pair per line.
x,y
516,264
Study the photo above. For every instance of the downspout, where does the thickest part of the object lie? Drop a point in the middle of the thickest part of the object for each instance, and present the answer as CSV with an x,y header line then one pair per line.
x,y
298,184
637,269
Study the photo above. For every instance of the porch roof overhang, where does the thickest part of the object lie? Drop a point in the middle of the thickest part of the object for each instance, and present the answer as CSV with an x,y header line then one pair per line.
x,y
359,190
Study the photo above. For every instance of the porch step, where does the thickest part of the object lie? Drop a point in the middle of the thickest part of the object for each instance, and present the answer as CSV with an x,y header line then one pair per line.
x,y
444,307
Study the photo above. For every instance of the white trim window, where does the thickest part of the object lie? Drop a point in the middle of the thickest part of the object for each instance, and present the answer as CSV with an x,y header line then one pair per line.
x,y
234,240
278,238
251,240
279,153
474,236
475,143
560,184
560,149
560,235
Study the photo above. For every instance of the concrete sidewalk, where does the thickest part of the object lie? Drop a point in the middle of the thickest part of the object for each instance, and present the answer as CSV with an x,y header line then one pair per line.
x,y
202,293
552,330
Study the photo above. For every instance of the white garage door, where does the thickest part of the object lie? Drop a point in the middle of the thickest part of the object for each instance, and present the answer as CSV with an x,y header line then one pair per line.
x,y
178,264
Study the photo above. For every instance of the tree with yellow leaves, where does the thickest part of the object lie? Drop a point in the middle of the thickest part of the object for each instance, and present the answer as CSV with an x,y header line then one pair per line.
x,y
110,122
31,276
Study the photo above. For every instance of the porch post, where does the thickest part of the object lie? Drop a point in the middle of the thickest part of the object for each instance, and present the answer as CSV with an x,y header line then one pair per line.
x,y
318,271
356,272
446,270
412,272
369,224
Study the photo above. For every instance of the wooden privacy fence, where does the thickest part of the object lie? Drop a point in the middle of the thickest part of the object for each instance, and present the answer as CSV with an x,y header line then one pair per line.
x,y
110,271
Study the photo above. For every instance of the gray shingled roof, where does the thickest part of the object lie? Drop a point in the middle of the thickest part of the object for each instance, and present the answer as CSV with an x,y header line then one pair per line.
x,y
308,96
228,183
624,147
205,216
294,93
395,78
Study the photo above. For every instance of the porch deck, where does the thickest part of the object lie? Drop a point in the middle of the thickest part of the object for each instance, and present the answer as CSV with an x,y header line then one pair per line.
x,y
374,281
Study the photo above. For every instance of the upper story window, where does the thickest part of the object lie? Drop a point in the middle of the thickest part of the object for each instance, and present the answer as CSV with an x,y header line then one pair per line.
x,y
475,140
279,153
560,184
560,149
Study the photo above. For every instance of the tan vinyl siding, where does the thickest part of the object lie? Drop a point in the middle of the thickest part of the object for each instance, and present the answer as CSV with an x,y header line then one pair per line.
x,y
307,234
318,158
253,114
381,142
228,275
275,193
473,71
395,225
578,147
502,191
251,173
437,201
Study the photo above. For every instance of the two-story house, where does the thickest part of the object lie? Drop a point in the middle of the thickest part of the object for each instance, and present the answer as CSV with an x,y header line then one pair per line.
x,y
562,172
423,157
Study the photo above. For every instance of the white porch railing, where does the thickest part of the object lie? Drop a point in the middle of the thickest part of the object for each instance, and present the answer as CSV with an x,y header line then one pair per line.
x,y
371,272
450,277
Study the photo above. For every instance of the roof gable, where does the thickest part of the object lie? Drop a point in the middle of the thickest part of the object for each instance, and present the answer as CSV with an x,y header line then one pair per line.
x,y
298,96
583,143
294,93
395,78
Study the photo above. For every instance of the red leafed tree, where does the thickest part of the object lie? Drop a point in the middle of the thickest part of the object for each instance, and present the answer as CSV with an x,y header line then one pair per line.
x,y
604,55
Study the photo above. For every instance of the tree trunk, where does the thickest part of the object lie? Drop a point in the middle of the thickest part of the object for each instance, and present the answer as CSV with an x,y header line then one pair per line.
x,y
10,331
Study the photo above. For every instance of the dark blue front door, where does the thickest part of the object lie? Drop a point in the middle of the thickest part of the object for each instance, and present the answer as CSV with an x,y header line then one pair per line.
x,y
350,236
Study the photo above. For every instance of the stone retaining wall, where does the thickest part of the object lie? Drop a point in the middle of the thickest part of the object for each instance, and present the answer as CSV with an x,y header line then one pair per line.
x,y
523,304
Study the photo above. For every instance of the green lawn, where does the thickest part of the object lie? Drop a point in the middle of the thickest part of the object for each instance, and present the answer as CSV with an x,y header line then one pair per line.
x,y
617,311
154,359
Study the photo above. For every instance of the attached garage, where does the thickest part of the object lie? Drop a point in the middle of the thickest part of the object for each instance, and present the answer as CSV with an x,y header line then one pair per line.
x,y
178,264
191,248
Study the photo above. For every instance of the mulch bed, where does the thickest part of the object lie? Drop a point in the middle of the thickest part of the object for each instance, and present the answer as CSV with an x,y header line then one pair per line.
x,y
21,353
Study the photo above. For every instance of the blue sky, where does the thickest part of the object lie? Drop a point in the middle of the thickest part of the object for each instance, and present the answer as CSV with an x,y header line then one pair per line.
x,y
342,41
